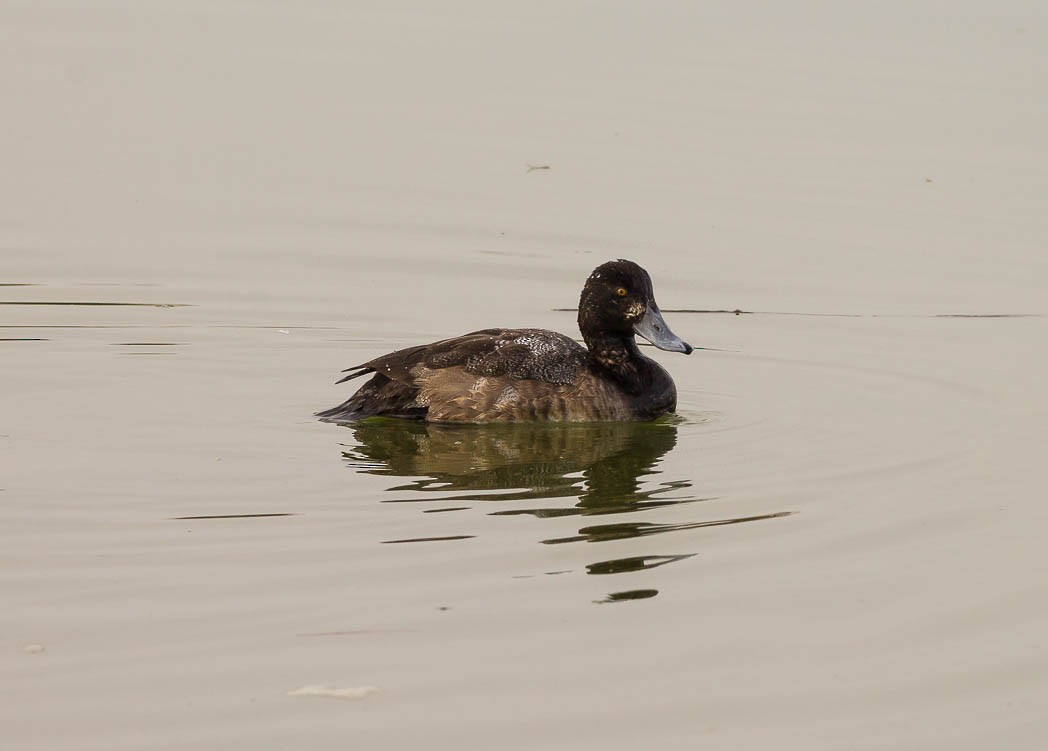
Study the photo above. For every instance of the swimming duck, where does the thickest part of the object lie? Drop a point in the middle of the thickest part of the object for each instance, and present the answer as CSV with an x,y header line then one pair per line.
x,y
517,375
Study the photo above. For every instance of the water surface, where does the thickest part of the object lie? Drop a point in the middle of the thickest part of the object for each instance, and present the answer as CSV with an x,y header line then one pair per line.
x,y
211,209
545,471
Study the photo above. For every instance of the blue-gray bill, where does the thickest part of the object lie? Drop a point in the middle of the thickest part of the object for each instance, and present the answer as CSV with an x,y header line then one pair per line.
x,y
653,328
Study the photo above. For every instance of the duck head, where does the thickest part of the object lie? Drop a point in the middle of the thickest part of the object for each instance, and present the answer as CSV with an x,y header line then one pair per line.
x,y
618,300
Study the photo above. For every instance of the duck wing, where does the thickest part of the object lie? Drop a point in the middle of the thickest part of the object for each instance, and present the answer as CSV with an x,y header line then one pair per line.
x,y
480,376
520,354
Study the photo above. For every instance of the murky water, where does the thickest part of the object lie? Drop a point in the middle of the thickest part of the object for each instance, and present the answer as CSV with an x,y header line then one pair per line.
x,y
209,211
544,471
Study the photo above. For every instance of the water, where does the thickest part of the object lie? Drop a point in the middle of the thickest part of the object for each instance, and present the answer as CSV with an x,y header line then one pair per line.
x,y
544,471
211,210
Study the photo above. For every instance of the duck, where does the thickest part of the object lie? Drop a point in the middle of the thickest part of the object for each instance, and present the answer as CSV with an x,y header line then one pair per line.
x,y
502,375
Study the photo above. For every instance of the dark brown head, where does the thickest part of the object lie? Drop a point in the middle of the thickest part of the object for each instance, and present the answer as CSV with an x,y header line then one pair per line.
x,y
618,300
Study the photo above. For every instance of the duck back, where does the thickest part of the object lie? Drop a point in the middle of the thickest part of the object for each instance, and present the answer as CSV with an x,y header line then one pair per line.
x,y
491,375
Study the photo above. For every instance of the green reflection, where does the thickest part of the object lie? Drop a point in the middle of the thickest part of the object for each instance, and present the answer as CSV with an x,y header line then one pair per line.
x,y
603,532
633,563
542,470
632,594
599,466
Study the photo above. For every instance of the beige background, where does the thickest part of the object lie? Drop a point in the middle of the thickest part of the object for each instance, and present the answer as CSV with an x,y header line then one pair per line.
x,y
321,182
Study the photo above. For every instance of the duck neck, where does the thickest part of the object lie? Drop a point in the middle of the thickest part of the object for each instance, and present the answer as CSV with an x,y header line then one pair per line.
x,y
619,355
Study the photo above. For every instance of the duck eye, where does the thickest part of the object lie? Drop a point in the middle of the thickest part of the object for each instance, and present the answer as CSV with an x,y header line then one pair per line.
x,y
621,292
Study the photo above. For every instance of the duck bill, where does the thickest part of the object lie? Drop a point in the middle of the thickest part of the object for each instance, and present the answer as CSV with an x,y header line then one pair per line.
x,y
653,328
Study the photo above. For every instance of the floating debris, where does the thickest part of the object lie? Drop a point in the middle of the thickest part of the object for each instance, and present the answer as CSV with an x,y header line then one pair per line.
x,y
331,692
104,304
429,539
230,516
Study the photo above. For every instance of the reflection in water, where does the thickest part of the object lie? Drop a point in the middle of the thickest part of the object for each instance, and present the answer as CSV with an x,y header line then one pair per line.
x,y
592,468
632,594
602,532
598,465
633,563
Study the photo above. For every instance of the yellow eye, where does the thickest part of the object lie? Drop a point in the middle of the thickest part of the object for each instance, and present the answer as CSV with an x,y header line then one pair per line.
x,y
621,292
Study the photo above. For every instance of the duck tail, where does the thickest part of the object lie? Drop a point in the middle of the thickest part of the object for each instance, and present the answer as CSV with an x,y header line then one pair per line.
x,y
379,396
355,372
349,411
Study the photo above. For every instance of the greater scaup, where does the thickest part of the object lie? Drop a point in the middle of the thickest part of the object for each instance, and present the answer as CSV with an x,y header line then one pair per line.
x,y
515,375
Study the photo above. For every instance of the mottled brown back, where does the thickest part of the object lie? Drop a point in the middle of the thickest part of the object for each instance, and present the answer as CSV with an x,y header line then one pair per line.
x,y
493,375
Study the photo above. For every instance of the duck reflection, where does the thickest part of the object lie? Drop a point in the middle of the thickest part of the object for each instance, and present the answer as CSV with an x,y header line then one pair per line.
x,y
600,466
591,468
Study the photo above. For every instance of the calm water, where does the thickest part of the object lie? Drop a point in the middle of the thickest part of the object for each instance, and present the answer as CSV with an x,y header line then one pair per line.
x,y
544,471
212,209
